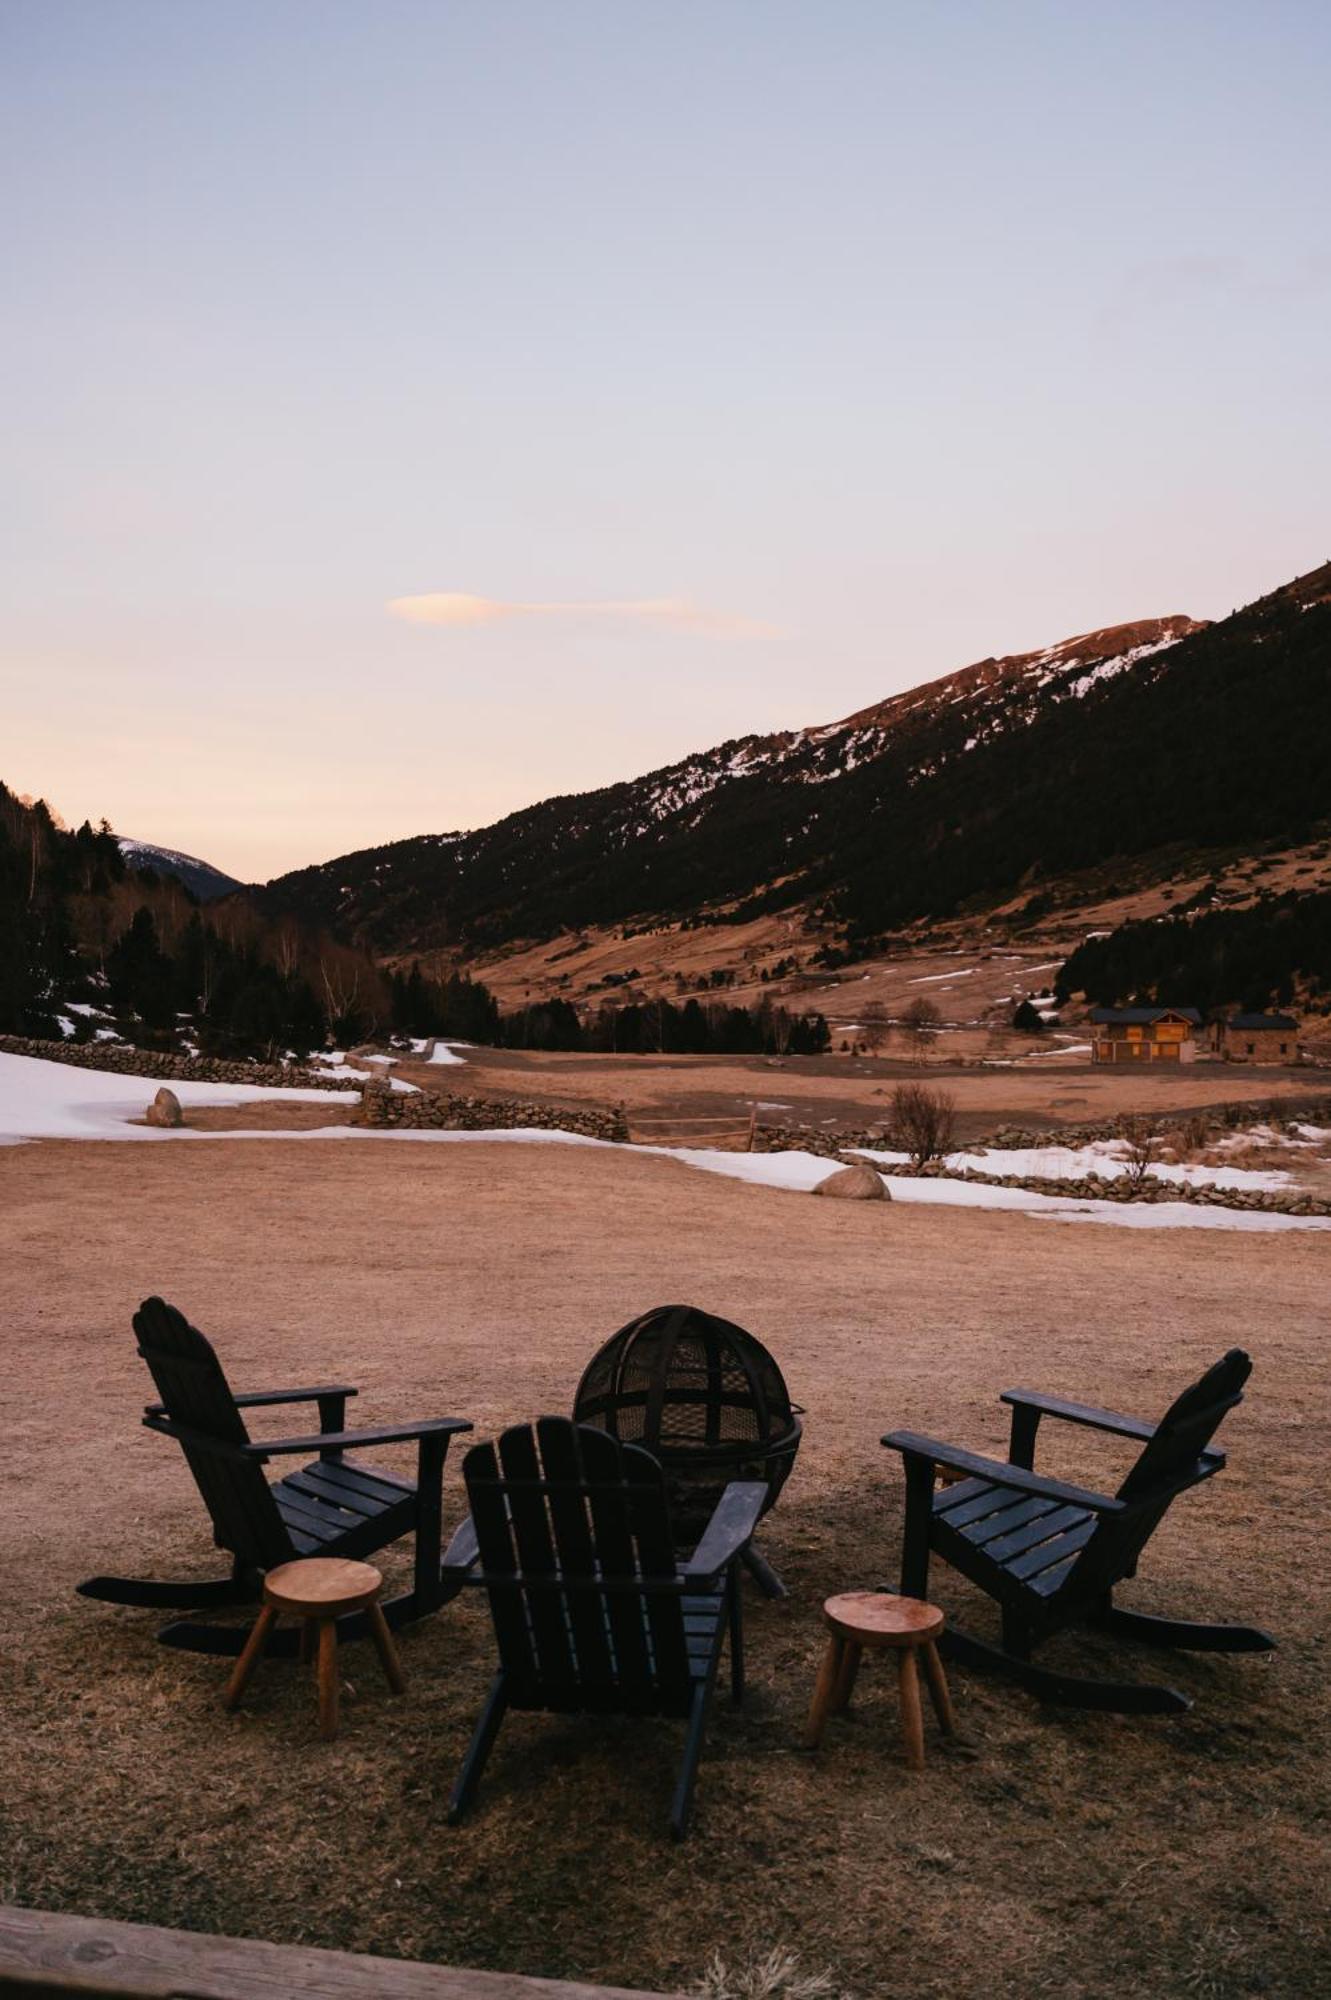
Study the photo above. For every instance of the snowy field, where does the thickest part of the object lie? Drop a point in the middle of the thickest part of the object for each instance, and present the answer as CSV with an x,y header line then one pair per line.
x,y
49,1100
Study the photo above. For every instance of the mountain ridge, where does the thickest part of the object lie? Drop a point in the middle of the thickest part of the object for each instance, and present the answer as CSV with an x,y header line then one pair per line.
x,y
1116,741
200,877
995,692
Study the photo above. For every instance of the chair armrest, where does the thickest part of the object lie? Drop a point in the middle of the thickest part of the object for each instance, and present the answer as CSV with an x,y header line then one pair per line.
x,y
911,1445
265,1396
195,1440
1079,1413
729,1531
384,1434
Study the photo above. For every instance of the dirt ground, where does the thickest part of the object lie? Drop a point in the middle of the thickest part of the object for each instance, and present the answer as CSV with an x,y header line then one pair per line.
x,y
709,1099
1046,1853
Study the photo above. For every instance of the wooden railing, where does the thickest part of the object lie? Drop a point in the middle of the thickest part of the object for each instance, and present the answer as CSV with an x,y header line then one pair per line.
x,y
43,1953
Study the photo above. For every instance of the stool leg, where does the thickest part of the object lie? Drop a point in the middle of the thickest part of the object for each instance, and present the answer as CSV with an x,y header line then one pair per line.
x,y
327,1679
845,1685
912,1721
828,1675
939,1694
249,1659
387,1651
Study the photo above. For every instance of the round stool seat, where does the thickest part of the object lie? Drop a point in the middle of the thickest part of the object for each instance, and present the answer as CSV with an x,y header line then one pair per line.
x,y
871,1618
322,1586
319,1590
873,1621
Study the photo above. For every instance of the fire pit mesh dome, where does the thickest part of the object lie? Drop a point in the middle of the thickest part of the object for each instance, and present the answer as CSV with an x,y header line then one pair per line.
x,y
703,1396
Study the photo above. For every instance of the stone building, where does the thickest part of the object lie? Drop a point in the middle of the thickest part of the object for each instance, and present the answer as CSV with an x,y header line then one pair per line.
x,y
1144,1034
1257,1038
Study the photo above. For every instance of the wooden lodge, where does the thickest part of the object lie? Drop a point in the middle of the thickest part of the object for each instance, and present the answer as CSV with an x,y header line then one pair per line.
x,y
1144,1034
1257,1038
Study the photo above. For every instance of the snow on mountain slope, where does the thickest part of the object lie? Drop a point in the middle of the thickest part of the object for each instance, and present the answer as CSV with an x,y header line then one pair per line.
x,y
715,827
206,882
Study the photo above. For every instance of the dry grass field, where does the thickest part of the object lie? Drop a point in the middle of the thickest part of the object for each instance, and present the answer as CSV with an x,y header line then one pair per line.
x,y
696,1099
1046,1853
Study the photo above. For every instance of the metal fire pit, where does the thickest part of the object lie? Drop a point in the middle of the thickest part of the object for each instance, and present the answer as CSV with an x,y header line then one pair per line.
x,y
707,1400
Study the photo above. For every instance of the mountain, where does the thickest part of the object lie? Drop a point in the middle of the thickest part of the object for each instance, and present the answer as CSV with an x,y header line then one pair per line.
x,y
205,881
1119,743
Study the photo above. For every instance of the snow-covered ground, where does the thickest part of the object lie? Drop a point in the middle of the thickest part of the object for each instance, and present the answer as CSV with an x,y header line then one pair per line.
x,y
446,1052
52,1100
802,1172
1106,1157
49,1100
333,1062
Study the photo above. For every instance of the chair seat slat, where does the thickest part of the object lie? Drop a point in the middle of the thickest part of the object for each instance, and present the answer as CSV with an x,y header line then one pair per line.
x,y
1044,1557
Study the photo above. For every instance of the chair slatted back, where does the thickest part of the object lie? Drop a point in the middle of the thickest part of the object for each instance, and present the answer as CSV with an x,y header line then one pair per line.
x,y
1168,1462
578,1560
195,1393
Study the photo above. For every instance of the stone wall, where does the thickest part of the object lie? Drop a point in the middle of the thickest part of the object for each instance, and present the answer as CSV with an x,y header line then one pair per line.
x,y
431,1111
172,1068
844,1146
1233,1117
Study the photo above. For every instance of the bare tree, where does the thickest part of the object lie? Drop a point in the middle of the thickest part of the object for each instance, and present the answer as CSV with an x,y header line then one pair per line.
x,y
287,949
341,989
1139,1137
874,1026
922,1121
920,1022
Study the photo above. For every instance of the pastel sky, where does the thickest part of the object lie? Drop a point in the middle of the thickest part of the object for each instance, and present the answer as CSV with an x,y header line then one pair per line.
x,y
412,410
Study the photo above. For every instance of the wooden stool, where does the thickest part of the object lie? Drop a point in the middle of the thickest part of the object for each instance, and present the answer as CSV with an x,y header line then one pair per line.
x,y
905,1625
319,1590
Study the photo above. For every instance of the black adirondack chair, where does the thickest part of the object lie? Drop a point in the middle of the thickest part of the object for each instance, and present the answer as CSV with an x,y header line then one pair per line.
x,y
592,1611
1052,1554
332,1506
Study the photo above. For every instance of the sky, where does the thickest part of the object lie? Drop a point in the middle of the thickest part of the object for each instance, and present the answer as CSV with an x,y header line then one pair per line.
x,y
412,411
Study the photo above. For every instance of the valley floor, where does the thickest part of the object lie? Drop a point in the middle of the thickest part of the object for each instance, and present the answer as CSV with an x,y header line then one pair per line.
x,y
1048,1852
709,1099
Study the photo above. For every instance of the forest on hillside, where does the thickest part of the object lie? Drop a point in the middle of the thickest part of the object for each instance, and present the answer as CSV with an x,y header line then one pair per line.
x,y
90,945
1273,953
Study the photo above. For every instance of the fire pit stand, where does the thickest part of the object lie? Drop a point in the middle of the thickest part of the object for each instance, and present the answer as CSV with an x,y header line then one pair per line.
x,y
707,1400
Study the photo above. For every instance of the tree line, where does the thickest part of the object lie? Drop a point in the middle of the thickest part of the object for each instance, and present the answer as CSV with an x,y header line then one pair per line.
x,y
1254,958
85,938
660,1027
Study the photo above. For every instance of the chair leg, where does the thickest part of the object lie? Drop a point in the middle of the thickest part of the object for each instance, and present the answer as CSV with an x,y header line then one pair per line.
x,y
735,1616
851,1655
328,1679
682,1804
939,1693
762,1573
249,1659
912,1721
478,1750
829,1674
387,1651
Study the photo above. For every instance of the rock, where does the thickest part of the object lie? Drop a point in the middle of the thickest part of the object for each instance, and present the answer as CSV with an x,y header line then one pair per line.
x,y
855,1184
164,1109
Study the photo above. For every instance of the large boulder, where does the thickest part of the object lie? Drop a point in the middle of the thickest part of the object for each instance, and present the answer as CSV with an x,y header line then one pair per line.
x,y
858,1183
164,1109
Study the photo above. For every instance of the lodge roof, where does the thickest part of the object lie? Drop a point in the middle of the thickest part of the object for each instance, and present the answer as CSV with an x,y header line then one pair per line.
x,y
1247,1022
1141,1017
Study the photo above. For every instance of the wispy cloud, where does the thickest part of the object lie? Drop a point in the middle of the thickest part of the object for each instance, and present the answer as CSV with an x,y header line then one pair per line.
x,y
675,614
